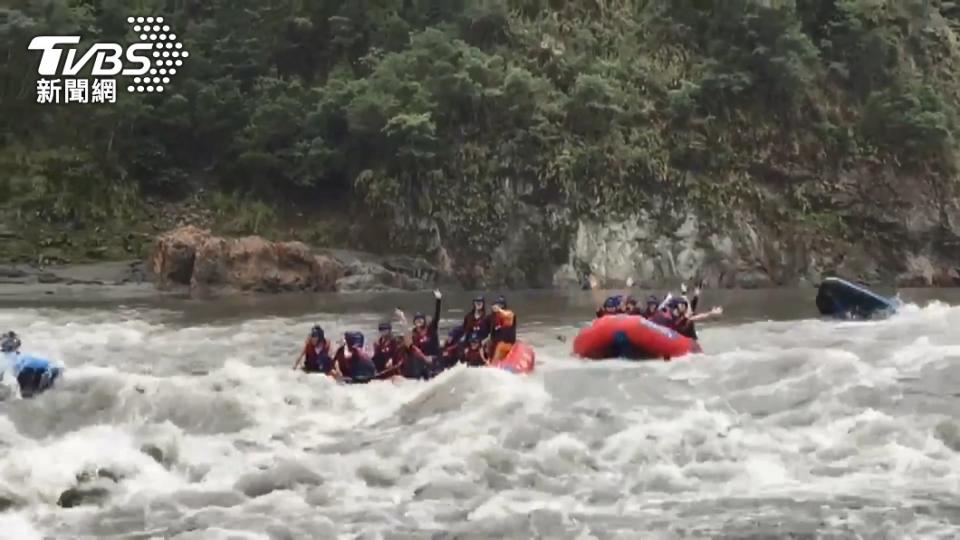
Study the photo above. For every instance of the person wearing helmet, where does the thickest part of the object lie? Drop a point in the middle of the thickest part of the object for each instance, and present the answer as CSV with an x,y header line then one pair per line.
x,y
611,306
351,361
504,333
683,320
33,375
652,306
9,350
474,355
631,307
476,322
424,333
664,315
315,357
415,364
10,342
387,350
450,354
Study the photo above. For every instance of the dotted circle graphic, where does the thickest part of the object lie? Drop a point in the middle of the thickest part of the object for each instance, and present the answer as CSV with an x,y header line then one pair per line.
x,y
166,51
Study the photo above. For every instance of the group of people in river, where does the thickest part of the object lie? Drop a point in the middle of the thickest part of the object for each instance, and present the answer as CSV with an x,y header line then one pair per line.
x,y
484,338
677,313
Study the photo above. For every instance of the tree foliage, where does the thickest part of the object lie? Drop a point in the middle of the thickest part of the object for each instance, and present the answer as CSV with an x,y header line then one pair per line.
x,y
436,108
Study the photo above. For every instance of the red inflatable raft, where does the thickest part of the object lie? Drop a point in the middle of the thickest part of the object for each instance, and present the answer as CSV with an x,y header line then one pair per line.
x,y
606,335
520,359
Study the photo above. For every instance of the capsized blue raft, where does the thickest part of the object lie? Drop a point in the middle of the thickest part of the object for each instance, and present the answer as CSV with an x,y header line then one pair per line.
x,y
34,374
842,299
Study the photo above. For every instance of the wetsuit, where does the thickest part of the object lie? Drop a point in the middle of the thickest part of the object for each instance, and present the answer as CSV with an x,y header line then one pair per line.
x,y
358,367
317,358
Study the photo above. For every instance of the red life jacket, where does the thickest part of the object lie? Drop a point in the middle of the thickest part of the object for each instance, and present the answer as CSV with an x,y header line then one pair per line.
x,y
421,339
474,325
684,326
473,357
358,364
387,346
317,358
384,350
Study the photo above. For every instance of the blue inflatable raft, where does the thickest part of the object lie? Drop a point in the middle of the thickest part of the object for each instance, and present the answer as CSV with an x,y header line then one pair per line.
x,y
842,299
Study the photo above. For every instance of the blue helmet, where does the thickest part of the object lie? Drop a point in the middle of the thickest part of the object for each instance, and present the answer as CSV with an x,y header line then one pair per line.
x,y
9,342
653,300
317,332
419,317
385,327
353,339
612,302
479,299
500,301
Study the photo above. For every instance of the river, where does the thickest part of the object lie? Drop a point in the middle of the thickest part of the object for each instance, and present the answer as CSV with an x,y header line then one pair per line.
x,y
189,413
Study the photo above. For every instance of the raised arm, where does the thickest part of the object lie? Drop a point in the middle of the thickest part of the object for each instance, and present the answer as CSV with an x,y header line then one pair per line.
x,y
703,316
434,323
400,317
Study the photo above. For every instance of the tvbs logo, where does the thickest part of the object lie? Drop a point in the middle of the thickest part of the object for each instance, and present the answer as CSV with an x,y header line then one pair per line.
x,y
152,62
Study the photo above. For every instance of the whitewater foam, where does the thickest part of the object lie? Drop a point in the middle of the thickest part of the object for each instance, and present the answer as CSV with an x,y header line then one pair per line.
x,y
806,427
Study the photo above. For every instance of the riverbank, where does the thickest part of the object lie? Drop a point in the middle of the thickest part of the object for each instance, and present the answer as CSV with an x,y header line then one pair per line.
x,y
193,262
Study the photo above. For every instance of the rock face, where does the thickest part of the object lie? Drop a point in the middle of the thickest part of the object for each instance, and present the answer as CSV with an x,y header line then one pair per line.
x,y
644,251
195,258
545,246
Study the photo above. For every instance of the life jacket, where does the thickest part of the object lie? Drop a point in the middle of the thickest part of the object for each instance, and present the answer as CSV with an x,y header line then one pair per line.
x,y
385,350
450,355
662,318
505,327
357,366
476,326
685,327
317,359
473,357
423,341
414,364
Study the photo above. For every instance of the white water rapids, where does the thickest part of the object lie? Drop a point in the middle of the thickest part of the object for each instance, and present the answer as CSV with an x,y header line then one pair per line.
x,y
788,429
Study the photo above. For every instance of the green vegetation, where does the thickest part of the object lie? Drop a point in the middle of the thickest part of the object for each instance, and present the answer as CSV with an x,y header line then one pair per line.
x,y
435,108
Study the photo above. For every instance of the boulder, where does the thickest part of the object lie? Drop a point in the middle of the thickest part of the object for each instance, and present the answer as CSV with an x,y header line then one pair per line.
x,y
194,257
174,253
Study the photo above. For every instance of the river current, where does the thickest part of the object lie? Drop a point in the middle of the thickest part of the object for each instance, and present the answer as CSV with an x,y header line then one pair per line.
x,y
184,420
